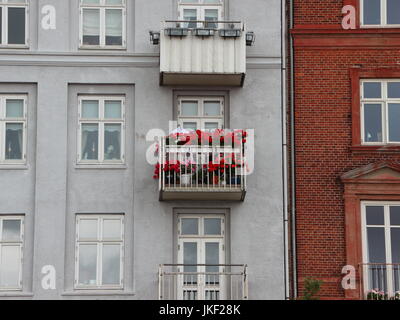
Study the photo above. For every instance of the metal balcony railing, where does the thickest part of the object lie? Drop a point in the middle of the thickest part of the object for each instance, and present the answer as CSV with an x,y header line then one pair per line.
x,y
381,281
202,171
203,282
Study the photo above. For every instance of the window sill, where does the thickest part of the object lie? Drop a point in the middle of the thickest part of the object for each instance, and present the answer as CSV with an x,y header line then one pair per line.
x,y
388,148
99,48
97,293
22,47
13,166
108,166
16,294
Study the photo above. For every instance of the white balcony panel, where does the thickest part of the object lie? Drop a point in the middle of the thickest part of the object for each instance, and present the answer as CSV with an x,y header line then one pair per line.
x,y
195,60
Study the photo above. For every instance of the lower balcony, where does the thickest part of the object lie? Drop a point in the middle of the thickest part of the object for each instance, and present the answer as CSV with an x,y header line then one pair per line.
x,y
202,171
203,282
381,281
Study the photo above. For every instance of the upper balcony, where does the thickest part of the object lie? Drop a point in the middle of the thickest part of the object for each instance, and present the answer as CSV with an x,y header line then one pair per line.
x,y
203,53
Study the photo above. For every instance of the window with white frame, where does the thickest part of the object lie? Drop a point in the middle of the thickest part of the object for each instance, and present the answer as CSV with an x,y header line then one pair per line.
x,y
99,251
103,23
13,22
380,104
380,13
201,113
201,10
11,246
381,246
201,250
101,130
13,129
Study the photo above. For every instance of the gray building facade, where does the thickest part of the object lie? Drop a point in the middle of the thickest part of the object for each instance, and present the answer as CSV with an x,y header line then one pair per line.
x,y
80,211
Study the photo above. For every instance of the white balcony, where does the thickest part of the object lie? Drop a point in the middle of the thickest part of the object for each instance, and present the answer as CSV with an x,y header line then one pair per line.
x,y
202,53
202,171
203,282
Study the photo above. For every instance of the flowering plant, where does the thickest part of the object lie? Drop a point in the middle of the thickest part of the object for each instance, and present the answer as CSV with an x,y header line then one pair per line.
x,y
376,294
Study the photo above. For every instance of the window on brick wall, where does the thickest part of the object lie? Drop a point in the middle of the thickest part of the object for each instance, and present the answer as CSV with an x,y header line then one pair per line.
x,y
380,111
380,13
381,246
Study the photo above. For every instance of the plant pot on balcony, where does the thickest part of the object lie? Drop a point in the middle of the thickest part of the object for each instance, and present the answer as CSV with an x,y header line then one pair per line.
x,y
186,179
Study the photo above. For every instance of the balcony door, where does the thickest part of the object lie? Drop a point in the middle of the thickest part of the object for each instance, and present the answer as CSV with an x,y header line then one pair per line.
x,y
381,247
201,256
206,113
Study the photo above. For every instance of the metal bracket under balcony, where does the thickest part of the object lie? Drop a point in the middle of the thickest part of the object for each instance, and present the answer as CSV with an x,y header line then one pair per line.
x,y
202,53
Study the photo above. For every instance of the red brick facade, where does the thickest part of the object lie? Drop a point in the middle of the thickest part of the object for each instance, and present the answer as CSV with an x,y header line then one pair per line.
x,y
328,64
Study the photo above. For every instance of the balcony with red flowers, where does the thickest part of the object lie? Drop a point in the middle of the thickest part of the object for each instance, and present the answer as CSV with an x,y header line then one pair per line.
x,y
202,165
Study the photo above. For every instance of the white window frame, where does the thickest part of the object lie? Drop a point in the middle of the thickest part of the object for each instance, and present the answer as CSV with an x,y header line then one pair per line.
x,y
201,119
4,28
383,23
102,7
201,7
201,239
14,243
388,244
101,122
4,121
384,101
99,242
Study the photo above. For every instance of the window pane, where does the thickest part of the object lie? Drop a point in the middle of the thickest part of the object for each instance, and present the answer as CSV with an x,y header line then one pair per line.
x,y
211,125
393,11
90,109
114,27
212,1
395,215
375,215
14,108
376,245
212,226
212,256
111,264
395,239
113,2
190,226
112,229
14,136
88,229
11,230
91,1
190,1
87,264
90,141
394,89
10,262
190,257
372,90
190,14
372,12
372,123
189,108
16,25
91,26
394,121
190,125
112,142
211,15
212,108
112,110
1,25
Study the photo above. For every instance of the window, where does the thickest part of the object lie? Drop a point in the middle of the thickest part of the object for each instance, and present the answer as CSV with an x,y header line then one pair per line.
x,y
99,252
380,103
103,23
201,113
11,244
381,246
200,10
13,22
201,246
13,129
101,130
380,13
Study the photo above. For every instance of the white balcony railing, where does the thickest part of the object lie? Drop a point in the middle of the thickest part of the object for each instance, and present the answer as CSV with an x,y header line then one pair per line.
x,y
381,281
211,53
224,282
203,171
